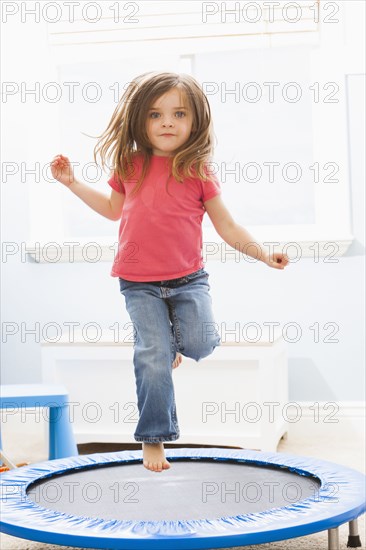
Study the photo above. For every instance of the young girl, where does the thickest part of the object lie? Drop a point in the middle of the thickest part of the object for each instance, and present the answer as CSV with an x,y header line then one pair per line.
x,y
160,139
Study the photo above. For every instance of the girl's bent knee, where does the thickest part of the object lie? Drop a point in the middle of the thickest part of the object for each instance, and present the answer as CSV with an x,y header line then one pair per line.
x,y
204,349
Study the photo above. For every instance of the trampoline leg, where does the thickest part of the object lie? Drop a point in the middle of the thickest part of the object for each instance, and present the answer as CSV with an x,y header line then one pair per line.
x,y
354,540
333,539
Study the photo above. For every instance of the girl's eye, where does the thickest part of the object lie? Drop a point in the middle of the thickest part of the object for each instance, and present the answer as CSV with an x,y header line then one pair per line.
x,y
179,114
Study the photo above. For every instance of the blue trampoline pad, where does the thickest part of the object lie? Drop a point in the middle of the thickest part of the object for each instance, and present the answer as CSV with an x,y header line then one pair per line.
x,y
209,498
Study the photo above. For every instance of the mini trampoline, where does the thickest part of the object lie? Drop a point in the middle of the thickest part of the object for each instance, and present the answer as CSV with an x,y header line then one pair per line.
x,y
209,498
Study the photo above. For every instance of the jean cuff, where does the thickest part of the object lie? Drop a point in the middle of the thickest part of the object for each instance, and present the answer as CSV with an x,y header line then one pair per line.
x,y
160,439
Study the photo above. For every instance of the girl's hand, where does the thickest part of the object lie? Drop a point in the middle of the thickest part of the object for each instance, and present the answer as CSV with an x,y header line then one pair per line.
x,y
277,260
62,171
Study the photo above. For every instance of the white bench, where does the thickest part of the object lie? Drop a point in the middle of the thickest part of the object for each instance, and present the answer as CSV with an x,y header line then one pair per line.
x,y
234,397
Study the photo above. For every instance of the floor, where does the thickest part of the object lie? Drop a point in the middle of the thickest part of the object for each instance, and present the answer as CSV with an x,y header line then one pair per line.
x,y
342,442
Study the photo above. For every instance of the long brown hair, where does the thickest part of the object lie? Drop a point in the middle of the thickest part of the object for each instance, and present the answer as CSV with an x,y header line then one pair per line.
x,y
125,135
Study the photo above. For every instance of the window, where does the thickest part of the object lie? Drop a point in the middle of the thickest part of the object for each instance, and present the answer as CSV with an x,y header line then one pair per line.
x,y
306,133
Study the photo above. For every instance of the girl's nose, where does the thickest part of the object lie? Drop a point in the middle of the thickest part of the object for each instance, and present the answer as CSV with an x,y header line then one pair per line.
x,y
167,122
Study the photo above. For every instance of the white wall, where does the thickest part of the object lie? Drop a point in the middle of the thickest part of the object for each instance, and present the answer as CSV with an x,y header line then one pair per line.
x,y
305,293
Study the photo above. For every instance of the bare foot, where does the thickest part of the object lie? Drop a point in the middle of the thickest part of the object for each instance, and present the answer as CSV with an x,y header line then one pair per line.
x,y
177,361
154,457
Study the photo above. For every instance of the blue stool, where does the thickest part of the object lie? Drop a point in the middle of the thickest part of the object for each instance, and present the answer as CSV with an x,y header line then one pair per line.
x,y
61,437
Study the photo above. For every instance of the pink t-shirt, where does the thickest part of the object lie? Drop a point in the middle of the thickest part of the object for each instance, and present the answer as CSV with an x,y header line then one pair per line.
x,y
160,234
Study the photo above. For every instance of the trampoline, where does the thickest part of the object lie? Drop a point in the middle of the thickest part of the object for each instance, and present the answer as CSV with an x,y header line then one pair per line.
x,y
209,498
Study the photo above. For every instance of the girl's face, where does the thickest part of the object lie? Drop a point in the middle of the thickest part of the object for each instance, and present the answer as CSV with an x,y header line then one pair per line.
x,y
169,123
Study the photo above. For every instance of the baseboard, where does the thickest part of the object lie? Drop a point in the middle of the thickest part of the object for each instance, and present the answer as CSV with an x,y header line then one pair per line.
x,y
342,409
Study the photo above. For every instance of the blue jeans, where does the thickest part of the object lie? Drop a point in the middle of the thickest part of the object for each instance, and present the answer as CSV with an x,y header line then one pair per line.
x,y
167,316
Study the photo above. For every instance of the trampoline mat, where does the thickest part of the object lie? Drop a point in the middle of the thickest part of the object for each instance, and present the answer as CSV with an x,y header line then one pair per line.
x,y
193,490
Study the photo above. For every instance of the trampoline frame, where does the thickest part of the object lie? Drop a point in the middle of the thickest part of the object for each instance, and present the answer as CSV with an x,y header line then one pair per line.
x,y
21,517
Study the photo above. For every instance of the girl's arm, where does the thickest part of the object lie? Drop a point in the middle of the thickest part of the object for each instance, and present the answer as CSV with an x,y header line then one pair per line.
x,y
109,207
238,237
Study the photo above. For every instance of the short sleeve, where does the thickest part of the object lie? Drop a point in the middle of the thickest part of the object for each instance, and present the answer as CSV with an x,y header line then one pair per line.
x,y
117,184
210,187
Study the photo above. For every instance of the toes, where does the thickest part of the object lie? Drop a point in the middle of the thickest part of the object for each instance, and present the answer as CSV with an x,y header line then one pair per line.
x,y
150,466
177,361
156,466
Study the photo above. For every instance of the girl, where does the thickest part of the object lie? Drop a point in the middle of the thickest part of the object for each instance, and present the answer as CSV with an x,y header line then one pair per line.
x,y
160,138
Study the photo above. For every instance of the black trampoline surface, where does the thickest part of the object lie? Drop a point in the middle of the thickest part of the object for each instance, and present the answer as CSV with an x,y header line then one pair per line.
x,y
187,491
